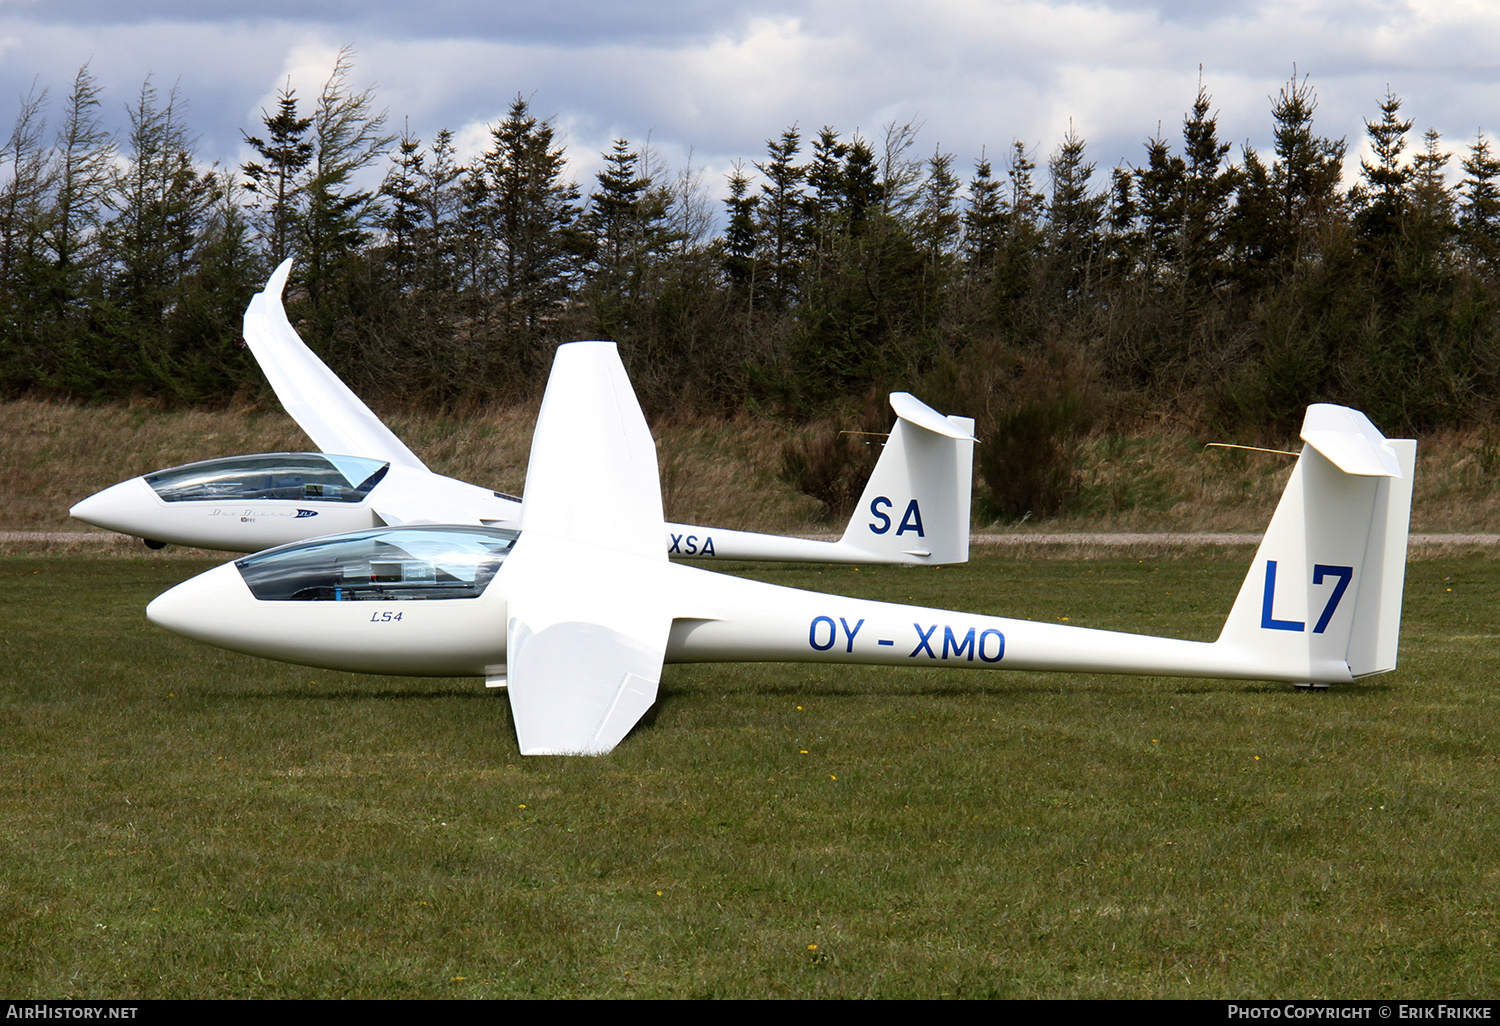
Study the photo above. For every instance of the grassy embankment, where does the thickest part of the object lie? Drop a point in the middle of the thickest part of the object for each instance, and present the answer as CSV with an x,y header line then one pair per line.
x,y
718,473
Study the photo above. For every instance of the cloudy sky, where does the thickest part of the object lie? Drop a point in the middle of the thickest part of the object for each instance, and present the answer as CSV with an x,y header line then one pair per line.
x,y
716,79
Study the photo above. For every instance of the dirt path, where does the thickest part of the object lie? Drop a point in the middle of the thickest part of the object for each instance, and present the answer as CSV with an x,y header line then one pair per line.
x,y
1105,540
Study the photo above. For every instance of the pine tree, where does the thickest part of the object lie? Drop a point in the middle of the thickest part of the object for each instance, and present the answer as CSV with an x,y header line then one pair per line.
x,y
73,331
278,180
1430,198
23,213
437,239
85,156
627,229
1251,225
534,219
983,219
824,204
783,229
163,204
1479,209
1026,203
741,234
1160,189
347,137
1073,218
862,189
1125,242
404,219
938,220
1207,186
1381,202
1305,177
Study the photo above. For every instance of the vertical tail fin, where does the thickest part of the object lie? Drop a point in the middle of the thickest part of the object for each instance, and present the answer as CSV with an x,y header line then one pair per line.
x,y
1322,601
915,507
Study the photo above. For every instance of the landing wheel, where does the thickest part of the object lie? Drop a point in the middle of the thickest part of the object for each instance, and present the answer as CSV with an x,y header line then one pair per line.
x,y
1312,687
153,545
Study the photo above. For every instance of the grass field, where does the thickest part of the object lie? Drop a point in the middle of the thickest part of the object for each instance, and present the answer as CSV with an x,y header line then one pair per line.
x,y
176,821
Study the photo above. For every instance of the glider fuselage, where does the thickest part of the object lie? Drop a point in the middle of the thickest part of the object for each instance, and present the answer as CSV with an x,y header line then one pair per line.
x,y
399,613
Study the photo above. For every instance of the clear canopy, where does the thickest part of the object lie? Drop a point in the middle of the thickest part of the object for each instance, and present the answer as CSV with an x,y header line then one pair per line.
x,y
390,563
299,476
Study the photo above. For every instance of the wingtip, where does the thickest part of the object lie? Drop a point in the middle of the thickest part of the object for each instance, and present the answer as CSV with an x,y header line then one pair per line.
x,y
276,284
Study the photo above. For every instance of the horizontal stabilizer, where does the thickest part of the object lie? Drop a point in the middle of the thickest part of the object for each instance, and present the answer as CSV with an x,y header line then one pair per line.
x,y
1349,441
913,410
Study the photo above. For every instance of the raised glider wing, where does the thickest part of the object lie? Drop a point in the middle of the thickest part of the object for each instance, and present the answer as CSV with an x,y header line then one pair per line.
x,y
578,610
914,510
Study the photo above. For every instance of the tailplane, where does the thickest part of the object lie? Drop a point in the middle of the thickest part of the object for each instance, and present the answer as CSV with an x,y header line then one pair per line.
x,y
1322,601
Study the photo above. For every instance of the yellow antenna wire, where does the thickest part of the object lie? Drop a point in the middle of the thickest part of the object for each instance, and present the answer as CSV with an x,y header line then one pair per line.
x,y
1252,448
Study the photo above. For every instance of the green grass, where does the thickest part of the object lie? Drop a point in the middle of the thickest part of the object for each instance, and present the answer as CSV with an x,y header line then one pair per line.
x,y
177,821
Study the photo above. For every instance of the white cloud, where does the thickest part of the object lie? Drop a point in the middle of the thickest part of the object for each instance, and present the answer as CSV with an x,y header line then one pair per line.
x,y
717,79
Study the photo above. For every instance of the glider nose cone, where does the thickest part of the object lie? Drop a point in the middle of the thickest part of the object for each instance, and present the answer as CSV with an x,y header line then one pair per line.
x,y
203,607
116,508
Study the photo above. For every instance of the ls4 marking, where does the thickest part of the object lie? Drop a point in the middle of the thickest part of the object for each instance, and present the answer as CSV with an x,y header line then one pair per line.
x,y
1321,572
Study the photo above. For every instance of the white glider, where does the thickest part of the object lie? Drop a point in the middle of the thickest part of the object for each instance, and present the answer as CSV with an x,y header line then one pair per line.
x,y
914,510
578,610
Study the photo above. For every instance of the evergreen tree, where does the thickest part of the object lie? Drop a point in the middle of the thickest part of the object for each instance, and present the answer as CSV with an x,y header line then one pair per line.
x,y
535,215
1251,225
938,220
1381,202
1207,186
1161,192
1026,203
437,238
23,256
75,327
826,199
24,192
347,137
1022,242
1073,218
862,189
278,180
205,361
162,205
1430,199
741,234
85,156
1125,241
1305,177
627,236
983,219
782,217
1479,209
405,217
